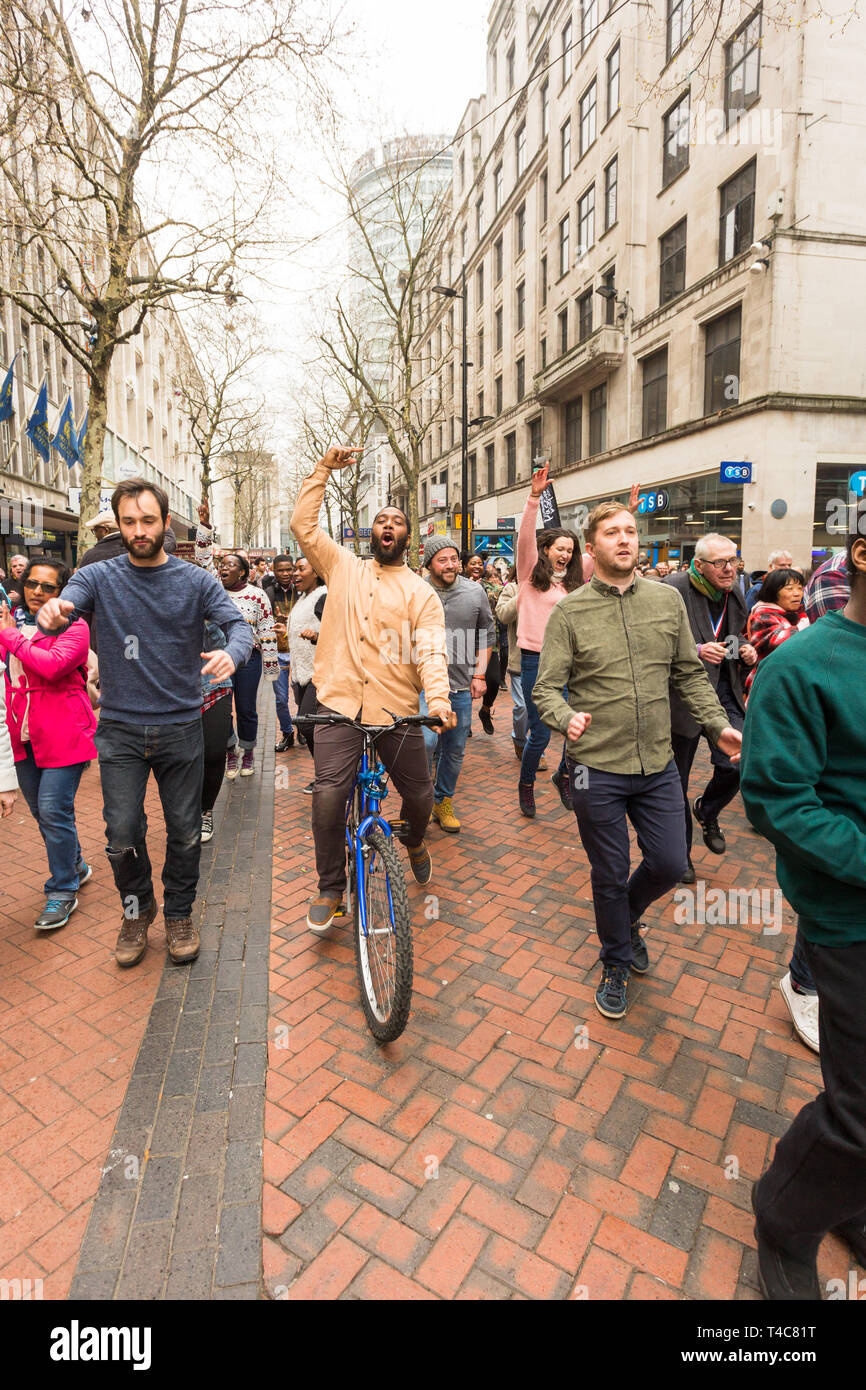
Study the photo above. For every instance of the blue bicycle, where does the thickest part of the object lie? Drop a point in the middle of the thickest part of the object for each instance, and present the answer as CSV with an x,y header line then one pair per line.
x,y
376,887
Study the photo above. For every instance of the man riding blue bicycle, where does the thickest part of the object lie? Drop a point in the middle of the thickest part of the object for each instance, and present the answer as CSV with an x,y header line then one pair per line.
x,y
381,643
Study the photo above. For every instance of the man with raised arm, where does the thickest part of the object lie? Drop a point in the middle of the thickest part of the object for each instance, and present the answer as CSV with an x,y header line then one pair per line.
x,y
382,641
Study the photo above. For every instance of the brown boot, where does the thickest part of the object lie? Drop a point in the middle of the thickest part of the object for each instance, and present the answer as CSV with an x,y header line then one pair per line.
x,y
132,942
183,939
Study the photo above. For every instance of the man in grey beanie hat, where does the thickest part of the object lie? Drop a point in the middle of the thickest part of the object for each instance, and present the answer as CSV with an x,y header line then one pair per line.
x,y
470,636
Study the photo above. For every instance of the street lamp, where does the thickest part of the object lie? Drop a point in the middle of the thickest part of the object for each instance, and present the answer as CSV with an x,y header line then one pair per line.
x,y
464,417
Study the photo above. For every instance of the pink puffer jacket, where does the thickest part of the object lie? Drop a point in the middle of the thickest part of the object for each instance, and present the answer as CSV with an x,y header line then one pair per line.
x,y
60,721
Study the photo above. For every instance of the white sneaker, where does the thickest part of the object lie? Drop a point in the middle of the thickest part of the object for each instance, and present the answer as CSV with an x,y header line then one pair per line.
x,y
803,1009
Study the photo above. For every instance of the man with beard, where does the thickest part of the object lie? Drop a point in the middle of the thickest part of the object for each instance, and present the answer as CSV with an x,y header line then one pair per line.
x,y
151,610
381,642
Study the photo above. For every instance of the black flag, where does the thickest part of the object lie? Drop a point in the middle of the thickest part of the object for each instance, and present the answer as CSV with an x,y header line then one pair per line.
x,y
548,508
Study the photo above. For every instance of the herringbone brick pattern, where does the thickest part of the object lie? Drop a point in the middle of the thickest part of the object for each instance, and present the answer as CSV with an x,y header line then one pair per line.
x,y
71,1024
513,1144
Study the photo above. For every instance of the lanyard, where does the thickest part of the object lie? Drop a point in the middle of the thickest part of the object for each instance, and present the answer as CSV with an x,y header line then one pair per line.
x,y
717,627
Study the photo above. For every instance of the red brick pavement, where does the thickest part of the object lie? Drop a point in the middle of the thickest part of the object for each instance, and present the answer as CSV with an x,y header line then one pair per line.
x,y
71,1024
513,1144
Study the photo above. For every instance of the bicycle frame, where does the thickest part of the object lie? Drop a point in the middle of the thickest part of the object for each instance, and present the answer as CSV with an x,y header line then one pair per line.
x,y
373,793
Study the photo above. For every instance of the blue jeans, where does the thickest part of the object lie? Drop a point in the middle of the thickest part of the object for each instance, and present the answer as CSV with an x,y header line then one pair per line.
x,y
447,749
801,971
128,753
604,802
50,794
539,734
245,683
281,695
518,714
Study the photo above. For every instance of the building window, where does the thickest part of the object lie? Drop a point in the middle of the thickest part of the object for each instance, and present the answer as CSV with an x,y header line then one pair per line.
x,y
543,273
611,174
498,328
535,441
679,24
588,23
463,243
608,281
743,68
521,307
588,104
509,67
613,82
542,349
672,256
564,244
586,222
24,352
655,393
479,218
543,209
480,351
511,459
520,231
479,286
497,260
565,151
722,362
480,404
491,467
545,111
675,140
521,378
47,367
584,316
598,419
462,168
497,386
520,150
497,188
563,331
573,430
567,52
737,214
473,476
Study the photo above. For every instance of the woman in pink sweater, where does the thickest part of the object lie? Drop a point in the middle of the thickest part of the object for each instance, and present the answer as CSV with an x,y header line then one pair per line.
x,y
51,725
548,567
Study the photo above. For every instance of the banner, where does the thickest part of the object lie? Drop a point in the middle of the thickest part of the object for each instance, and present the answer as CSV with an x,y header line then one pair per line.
x,y
548,509
7,406
65,440
37,425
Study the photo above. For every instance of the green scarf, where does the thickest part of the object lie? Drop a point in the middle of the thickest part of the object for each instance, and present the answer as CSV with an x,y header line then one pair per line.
x,y
702,584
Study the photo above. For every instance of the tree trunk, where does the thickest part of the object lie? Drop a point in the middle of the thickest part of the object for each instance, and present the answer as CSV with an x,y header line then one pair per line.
x,y
94,447
205,477
415,546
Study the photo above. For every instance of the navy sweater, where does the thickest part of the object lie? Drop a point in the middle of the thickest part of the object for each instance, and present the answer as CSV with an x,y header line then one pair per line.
x,y
151,634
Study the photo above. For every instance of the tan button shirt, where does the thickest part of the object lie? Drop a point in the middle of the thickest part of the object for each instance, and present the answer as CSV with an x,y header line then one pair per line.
x,y
383,628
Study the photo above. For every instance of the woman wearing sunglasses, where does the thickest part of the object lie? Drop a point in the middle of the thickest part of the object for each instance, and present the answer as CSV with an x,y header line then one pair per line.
x,y
51,725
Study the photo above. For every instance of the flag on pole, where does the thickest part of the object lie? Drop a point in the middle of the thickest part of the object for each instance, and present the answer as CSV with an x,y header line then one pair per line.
x,y
82,435
37,425
7,407
65,440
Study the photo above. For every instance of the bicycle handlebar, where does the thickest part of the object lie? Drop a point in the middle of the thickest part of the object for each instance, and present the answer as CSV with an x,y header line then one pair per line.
x,y
409,721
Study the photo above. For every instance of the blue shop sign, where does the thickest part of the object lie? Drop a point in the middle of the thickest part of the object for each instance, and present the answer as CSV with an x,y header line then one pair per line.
x,y
653,502
735,472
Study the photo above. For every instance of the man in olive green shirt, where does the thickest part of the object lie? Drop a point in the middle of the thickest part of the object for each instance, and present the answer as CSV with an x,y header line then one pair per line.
x,y
617,643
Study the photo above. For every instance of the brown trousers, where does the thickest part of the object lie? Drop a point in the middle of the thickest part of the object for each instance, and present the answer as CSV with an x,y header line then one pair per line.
x,y
337,750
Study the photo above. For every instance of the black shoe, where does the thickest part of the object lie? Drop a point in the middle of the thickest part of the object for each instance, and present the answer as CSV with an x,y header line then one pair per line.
x,y
854,1234
562,782
286,742
610,997
713,837
486,721
526,797
519,746
640,961
309,788
302,742
782,1278
689,876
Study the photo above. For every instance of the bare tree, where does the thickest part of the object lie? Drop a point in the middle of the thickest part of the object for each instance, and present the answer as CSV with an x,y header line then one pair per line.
x,y
378,321
252,471
170,89
341,411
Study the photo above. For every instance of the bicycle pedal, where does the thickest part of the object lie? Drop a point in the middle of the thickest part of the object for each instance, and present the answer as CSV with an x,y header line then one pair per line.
x,y
399,829
341,912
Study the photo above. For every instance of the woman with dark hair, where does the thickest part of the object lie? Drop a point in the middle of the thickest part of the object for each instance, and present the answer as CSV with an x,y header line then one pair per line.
x,y
777,615
255,606
51,724
549,566
305,623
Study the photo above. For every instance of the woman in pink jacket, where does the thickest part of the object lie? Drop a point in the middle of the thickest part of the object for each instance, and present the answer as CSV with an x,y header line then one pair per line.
x,y
548,568
51,725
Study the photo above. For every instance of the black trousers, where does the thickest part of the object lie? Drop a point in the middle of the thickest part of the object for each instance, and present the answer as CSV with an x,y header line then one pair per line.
x,y
216,724
817,1179
725,781
306,701
493,680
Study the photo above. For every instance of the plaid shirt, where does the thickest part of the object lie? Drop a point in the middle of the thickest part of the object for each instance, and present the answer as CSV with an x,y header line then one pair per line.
x,y
828,589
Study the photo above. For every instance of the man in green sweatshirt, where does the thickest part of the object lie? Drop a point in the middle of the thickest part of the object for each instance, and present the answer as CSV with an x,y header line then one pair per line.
x,y
803,777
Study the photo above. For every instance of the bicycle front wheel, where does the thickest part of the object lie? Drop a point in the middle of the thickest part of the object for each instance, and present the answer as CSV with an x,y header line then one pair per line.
x,y
383,954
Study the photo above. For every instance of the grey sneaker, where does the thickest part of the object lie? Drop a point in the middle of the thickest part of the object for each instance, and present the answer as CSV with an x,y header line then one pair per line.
x,y
640,961
610,997
56,913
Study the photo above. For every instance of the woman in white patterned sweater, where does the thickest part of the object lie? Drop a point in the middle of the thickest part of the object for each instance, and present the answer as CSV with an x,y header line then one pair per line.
x,y
254,605
304,625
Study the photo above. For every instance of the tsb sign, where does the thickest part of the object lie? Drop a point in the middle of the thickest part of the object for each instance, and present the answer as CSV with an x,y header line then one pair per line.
x,y
736,473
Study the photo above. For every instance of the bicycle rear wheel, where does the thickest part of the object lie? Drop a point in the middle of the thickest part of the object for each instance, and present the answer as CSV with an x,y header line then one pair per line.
x,y
383,955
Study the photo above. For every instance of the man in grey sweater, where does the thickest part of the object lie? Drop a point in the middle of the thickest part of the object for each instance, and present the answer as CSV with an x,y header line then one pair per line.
x,y
470,636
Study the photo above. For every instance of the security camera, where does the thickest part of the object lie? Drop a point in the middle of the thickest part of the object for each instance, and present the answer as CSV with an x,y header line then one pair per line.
x,y
751,506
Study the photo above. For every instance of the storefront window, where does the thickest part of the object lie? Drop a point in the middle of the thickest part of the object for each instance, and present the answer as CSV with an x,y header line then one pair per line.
x,y
694,507
834,504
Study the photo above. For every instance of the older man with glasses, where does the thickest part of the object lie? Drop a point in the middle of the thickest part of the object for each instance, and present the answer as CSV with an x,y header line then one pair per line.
x,y
717,615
